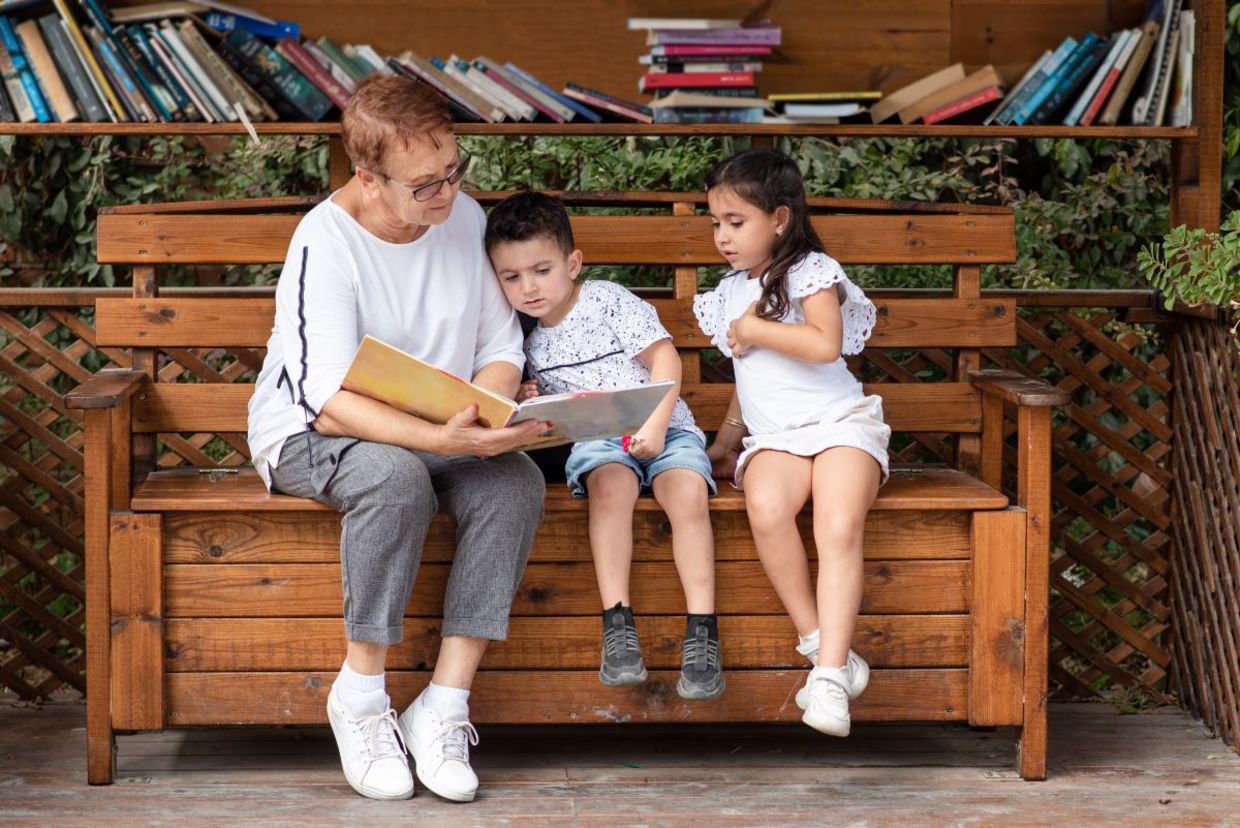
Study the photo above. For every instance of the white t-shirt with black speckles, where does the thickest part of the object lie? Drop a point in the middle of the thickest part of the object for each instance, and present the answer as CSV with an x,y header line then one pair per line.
x,y
595,347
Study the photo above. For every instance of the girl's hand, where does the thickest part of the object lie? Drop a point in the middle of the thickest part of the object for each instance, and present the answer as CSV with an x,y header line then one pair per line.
x,y
645,447
527,390
740,330
722,461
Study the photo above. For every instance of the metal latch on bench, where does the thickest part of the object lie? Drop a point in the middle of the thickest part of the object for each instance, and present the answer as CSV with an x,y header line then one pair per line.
x,y
217,474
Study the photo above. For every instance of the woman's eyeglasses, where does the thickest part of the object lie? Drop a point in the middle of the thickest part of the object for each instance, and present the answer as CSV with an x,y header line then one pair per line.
x,y
425,192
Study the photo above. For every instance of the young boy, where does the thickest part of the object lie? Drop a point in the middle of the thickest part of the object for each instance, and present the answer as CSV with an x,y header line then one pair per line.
x,y
596,335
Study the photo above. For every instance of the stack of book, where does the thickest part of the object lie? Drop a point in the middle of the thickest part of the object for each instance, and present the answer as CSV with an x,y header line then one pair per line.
x,y
704,70
820,107
1140,76
209,61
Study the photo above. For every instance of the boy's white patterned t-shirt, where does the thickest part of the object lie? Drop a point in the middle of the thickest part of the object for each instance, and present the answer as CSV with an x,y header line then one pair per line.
x,y
595,347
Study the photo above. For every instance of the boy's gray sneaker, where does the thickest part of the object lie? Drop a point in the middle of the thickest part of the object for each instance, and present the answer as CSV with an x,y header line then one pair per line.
x,y
622,657
701,668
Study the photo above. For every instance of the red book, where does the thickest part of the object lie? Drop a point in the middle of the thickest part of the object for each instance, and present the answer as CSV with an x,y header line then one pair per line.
x,y
674,80
951,110
711,49
1104,91
292,51
499,78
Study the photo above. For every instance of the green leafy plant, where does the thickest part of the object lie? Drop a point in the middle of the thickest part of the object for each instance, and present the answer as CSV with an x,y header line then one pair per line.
x,y
1196,267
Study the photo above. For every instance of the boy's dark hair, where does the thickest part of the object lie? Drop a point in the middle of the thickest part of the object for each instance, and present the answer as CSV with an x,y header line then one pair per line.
x,y
526,216
768,179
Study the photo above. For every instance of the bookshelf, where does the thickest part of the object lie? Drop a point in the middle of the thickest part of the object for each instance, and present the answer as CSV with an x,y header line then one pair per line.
x,y
867,44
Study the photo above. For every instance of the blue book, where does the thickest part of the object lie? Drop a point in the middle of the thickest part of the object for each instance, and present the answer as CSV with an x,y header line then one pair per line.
x,y
1061,54
1084,48
42,112
1076,77
579,108
259,28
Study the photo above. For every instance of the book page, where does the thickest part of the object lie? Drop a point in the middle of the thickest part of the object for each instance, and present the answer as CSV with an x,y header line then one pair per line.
x,y
594,415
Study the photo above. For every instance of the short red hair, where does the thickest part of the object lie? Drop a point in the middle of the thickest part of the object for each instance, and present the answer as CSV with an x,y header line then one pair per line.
x,y
387,111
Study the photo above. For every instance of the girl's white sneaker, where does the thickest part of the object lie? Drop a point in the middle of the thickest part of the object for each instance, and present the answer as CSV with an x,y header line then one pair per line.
x,y
827,710
858,672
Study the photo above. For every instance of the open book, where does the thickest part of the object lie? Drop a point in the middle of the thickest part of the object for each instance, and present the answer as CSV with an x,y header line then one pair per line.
x,y
403,381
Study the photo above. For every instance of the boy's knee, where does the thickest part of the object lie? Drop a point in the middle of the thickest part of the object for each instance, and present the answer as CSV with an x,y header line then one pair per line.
x,y
612,484
686,499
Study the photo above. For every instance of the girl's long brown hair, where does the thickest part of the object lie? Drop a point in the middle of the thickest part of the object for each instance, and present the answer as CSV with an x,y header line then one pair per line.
x,y
768,180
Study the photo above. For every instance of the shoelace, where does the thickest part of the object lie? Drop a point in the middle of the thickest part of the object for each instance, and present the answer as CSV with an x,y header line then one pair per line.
x,y
456,737
835,691
382,735
700,651
619,639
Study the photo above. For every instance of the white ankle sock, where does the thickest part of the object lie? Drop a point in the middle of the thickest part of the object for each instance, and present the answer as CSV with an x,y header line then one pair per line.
x,y
362,695
451,703
807,645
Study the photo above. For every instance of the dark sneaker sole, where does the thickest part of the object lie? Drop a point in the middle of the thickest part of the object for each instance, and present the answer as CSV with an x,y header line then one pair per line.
x,y
700,692
624,678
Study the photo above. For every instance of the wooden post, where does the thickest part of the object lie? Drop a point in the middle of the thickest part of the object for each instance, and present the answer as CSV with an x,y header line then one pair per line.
x,y
137,621
967,284
1033,487
1196,166
996,618
145,286
100,744
683,290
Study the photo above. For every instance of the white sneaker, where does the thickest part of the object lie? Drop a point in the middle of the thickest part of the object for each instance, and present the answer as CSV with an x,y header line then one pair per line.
x,y
857,670
371,752
440,752
827,711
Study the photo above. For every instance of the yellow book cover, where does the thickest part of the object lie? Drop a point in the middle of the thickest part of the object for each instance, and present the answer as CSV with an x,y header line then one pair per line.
x,y
403,381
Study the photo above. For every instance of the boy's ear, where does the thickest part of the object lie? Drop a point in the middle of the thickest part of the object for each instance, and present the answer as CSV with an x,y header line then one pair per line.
x,y
574,264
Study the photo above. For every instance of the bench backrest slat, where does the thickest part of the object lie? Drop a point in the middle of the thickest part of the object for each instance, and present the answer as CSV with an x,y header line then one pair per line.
x,y
246,323
946,407
170,238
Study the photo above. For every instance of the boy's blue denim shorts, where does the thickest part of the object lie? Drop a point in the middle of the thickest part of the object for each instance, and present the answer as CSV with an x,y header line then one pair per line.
x,y
681,450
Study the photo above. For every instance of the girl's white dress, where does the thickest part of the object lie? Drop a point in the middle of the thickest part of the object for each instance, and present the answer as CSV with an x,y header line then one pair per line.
x,y
788,405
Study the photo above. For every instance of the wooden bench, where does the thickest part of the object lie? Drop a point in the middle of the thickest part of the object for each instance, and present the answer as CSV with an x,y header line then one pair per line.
x,y
212,602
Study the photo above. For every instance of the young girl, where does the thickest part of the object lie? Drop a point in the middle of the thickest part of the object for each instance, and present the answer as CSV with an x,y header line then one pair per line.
x,y
787,315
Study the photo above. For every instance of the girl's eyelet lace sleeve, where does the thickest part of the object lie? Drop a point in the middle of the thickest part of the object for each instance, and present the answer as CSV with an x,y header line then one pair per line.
x,y
818,271
708,308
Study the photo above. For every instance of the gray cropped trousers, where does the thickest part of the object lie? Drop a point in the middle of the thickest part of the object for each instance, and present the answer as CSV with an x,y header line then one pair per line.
x,y
388,496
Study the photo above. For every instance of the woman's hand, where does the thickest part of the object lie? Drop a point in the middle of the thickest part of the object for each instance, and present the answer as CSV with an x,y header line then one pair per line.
x,y
527,390
740,330
464,435
722,461
646,447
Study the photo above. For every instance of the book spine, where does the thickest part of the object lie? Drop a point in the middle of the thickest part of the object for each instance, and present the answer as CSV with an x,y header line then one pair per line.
x,y
259,82
1070,82
259,28
122,81
665,80
1012,94
164,54
459,77
144,74
955,108
460,112
537,96
70,69
601,103
1054,81
342,60
580,109
194,72
21,67
40,59
8,114
611,99
519,93
694,68
178,103
17,91
107,94
689,60
456,89
300,92
686,50
365,54
1104,89
1095,82
757,36
292,51
694,115
341,76
1143,107
519,109
1132,71
712,91
1038,81
257,108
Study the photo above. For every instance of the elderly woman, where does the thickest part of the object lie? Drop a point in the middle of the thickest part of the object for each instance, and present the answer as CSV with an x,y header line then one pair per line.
x,y
397,253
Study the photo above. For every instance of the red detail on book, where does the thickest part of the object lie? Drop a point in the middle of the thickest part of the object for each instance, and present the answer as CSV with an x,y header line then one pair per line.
x,y
313,70
1104,92
666,80
521,93
951,110
599,103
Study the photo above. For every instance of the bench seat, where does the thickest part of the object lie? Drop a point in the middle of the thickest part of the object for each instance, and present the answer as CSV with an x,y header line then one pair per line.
x,y
179,490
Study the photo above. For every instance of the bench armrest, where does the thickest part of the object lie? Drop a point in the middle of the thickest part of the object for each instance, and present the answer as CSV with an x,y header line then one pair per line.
x,y
1018,388
106,389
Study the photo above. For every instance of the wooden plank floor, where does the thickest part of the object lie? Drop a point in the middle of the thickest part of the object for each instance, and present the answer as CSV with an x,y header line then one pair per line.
x,y
1157,768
